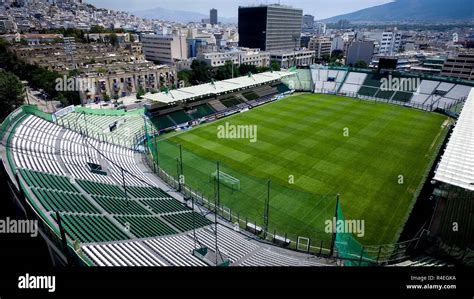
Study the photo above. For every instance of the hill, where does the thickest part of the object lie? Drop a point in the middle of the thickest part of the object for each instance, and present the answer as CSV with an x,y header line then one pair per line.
x,y
423,11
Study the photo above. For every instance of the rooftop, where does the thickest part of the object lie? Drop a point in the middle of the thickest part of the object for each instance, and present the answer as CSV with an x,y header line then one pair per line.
x,y
218,87
457,164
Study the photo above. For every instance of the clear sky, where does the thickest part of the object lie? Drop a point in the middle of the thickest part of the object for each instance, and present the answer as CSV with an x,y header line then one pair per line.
x,y
228,8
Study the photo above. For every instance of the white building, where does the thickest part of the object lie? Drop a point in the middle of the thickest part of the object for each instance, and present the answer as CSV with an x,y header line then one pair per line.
x,y
238,57
321,46
287,59
320,28
337,43
164,49
390,42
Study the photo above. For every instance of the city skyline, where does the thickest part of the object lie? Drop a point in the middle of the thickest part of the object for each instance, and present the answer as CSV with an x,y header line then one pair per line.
x,y
229,8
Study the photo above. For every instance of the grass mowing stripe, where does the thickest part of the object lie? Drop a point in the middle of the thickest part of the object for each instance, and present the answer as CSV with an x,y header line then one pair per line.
x,y
302,136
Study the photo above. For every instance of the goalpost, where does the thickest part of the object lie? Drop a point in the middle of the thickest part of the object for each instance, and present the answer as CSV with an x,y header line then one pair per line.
x,y
227,180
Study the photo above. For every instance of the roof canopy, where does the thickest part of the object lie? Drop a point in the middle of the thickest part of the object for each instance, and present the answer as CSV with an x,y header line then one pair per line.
x,y
457,164
216,88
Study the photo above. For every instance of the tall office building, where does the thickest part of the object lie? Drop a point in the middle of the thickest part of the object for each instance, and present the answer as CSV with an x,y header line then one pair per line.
x,y
360,50
308,21
213,16
270,27
390,43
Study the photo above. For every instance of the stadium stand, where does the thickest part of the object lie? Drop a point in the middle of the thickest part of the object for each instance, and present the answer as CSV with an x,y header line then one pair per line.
x,y
327,81
353,83
230,101
136,224
176,250
128,254
121,216
201,111
117,129
423,261
217,105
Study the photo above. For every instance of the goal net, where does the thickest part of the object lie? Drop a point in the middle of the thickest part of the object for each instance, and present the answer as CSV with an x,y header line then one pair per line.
x,y
227,180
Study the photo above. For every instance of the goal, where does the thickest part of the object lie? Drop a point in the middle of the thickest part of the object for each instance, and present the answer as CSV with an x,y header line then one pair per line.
x,y
227,180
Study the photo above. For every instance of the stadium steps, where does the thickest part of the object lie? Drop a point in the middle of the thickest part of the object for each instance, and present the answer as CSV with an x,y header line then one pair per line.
x,y
342,82
101,188
161,206
47,181
267,258
179,117
145,227
282,88
116,205
122,254
232,244
384,94
147,192
184,221
163,122
402,96
202,111
54,201
92,228
230,102
217,105
176,250
250,95
368,91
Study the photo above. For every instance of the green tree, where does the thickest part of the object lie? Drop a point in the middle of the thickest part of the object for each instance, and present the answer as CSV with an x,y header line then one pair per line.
x,y
113,40
226,71
140,92
337,54
326,58
361,64
275,65
246,68
12,93
200,72
263,69
184,77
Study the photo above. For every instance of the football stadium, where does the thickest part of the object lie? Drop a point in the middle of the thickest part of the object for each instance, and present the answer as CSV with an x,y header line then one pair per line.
x,y
316,166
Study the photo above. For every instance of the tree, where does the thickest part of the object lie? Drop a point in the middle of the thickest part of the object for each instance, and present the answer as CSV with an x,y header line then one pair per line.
x,y
246,68
361,64
12,93
184,77
200,72
225,72
337,54
263,69
113,39
326,58
140,92
275,65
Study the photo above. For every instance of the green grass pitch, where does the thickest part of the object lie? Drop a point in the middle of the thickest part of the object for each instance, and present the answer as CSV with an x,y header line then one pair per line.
x,y
302,137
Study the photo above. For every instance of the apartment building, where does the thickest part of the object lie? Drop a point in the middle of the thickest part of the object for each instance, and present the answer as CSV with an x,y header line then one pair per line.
x,y
321,46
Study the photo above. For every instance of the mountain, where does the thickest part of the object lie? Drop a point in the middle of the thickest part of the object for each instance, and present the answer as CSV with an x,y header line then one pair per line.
x,y
177,15
422,11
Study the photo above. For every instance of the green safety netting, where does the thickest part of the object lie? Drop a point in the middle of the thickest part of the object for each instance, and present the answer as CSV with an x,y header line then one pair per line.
x,y
348,248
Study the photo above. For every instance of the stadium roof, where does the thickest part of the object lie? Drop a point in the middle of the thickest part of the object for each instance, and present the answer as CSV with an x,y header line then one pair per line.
x,y
457,164
218,87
